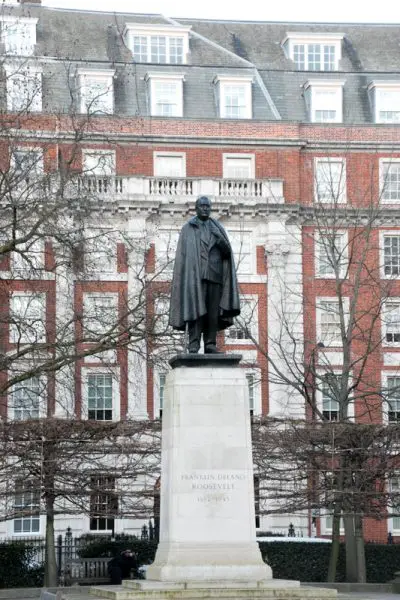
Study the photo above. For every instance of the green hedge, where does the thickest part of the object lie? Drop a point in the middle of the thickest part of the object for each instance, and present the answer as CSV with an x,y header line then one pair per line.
x,y
18,567
98,548
309,562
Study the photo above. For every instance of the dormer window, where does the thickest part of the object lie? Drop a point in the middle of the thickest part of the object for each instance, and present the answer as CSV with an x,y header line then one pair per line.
x,y
324,100
18,34
158,44
385,101
314,51
234,97
166,94
96,91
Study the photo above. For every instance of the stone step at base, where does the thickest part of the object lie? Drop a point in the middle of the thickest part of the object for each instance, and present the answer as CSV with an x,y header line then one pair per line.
x,y
181,592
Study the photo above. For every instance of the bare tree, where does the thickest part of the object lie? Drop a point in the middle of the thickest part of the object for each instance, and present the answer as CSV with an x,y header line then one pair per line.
x,y
322,352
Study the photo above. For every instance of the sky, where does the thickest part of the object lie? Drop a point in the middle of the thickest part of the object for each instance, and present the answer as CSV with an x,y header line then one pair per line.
x,y
339,11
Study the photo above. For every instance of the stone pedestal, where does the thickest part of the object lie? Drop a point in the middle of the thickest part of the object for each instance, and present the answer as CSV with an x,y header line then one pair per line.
x,y
207,522
208,548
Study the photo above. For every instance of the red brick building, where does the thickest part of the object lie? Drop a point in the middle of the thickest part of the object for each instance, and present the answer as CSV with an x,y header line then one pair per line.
x,y
292,131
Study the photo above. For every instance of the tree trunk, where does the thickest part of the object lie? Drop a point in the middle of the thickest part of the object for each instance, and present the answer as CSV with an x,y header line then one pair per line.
x,y
50,573
351,549
360,548
333,559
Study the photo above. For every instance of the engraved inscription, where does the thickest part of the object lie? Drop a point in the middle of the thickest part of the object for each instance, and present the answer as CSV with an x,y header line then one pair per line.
x,y
217,487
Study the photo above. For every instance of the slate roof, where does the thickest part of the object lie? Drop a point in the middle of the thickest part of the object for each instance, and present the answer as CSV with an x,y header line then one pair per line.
x,y
68,39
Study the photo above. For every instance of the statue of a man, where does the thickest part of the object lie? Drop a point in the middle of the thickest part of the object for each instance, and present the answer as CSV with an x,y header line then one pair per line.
x,y
204,292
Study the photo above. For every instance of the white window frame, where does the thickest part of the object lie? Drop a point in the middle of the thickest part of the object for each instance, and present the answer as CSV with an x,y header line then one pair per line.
x,y
293,39
319,396
340,193
27,518
224,82
383,162
386,375
175,78
332,87
106,162
319,312
376,89
320,253
111,493
114,373
113,304
30,258
385,322
100,76
39,327
148,31
245,263
382,236
227,158
100,253
24,87
253,301
166,243
21,48
42,397
180,159
391,520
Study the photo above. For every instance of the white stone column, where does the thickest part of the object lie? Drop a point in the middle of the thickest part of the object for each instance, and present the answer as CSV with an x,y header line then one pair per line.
x,y
207,530
137,373
285,316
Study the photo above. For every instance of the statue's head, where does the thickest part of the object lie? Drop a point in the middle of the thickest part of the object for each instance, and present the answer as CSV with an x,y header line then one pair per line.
x,y
203,208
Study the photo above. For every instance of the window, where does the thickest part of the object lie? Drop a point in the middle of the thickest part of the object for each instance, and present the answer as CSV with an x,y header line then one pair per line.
x,y
390,181
161,314
331,254
245,326
235,98
250,387
100,313
27,318
103,503
238,166
394,490
385,99
24,88
330,180
99,162
391,255
325,101
393,399
328,320
27,506
313,51
166,244
391,322
18,34
26,168
29,257
171,164
100,251
241,248
96,91
100,397
166,95
160,44
329,394
161,390
28,399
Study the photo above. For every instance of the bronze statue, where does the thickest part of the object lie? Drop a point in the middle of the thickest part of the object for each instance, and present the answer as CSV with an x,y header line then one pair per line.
x,y
204,291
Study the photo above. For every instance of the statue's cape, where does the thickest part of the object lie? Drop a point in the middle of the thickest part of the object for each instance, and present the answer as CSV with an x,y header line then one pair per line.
x,y
187,302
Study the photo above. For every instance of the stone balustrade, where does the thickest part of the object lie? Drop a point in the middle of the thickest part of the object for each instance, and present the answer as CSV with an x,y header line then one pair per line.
x,y
174,189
